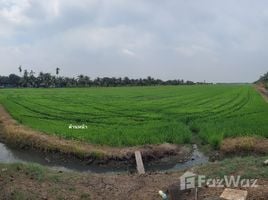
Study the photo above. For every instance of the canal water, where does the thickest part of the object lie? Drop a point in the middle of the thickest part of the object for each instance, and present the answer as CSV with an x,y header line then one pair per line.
x,y
57,162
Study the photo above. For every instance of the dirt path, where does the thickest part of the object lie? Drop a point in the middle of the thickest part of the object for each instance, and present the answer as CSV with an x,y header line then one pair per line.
x,y
20,136
263,91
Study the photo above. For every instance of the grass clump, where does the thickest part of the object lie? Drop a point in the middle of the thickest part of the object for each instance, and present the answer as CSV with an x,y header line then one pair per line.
x,y
36,171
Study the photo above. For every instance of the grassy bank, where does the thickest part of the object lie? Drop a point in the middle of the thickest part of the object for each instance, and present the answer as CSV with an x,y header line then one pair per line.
x,y
246,167
132,116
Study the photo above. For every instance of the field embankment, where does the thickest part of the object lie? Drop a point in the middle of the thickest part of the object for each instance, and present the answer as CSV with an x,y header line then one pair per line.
x,y
263,89
244,145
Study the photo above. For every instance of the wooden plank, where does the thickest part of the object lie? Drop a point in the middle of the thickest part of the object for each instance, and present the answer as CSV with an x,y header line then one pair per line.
x,y
139,162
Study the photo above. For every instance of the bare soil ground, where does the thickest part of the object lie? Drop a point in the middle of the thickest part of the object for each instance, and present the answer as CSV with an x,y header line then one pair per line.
x,y
19,181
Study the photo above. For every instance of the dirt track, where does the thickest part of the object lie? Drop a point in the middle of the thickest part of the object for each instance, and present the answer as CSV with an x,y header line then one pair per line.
x,y
263,91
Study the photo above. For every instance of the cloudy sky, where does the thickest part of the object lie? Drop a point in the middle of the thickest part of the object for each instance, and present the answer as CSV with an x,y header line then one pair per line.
x,y
212,40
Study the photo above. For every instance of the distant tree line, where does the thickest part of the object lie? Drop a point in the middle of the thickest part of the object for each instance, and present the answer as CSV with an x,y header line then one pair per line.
x,y
28,79
263,79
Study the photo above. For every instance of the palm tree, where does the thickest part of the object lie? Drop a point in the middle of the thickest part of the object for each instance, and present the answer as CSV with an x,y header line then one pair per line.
x,y
57,71
20,69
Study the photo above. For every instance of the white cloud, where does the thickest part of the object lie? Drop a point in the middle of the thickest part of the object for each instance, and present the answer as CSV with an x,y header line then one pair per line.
x,y
170,38
13,12
128,52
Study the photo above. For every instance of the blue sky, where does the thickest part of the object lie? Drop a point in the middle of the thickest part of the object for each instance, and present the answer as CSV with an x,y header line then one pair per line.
x,y
212,40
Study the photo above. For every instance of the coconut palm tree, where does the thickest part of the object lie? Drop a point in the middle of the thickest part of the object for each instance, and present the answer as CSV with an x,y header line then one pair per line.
x,y
20,69
57,71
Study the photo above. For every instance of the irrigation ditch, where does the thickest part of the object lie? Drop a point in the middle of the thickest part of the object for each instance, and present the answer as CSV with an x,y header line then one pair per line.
x,y
58,161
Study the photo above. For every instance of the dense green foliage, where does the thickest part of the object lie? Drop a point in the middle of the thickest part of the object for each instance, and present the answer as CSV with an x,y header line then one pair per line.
x,y
125,116
46,80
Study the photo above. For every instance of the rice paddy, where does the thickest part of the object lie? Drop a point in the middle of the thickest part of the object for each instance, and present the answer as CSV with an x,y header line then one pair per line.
x,y
129,116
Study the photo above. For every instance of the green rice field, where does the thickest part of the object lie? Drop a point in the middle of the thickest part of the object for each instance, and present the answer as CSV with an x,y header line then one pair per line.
x,y
128,116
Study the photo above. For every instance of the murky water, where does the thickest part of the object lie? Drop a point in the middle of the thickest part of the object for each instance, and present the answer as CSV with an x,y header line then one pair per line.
x,y
197,158
54,161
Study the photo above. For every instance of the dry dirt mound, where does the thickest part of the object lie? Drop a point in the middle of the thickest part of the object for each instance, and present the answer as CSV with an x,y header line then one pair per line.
x,y
244,145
